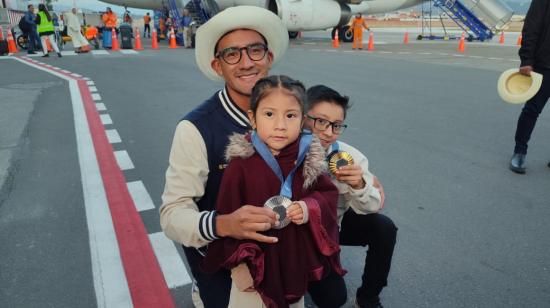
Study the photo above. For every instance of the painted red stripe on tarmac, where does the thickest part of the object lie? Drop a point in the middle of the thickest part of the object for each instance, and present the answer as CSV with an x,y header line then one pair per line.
x,y
145,279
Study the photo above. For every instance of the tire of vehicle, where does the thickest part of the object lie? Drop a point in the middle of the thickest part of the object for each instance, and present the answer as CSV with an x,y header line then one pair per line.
x,y
22,41
292,34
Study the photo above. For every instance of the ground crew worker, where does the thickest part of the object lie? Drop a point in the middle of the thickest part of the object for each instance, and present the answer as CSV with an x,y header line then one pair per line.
x,y
46,30
357,26
146,26
109,19
91,35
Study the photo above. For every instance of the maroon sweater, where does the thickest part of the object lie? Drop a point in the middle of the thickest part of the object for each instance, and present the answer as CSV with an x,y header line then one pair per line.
x,y
304,253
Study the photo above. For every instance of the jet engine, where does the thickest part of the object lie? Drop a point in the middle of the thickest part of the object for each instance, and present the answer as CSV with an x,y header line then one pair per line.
x,y
307,15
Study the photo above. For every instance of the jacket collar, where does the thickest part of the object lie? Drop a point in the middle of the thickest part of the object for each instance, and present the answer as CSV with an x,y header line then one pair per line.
x,y
314,164
233,110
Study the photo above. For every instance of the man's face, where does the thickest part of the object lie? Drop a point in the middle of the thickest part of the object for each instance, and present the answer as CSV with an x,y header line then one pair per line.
x,y
31,9
241,77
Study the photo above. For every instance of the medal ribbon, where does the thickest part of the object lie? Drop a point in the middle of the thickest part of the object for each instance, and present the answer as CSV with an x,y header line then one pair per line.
x,y
335,147
265,153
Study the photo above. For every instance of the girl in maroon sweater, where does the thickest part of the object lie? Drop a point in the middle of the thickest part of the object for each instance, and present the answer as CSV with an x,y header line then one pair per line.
x,y
277,152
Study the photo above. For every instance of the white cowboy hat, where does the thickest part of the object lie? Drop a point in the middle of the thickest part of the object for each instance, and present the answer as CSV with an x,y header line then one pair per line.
x,y
240,17
515,88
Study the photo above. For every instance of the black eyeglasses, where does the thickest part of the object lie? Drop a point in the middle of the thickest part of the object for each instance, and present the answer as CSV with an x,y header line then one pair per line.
x,y
232,55
322,125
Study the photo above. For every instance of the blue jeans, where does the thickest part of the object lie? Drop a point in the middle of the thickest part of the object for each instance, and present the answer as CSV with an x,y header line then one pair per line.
x,y
32,39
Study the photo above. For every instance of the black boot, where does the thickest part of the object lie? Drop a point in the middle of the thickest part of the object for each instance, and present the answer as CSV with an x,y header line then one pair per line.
x,y
517,163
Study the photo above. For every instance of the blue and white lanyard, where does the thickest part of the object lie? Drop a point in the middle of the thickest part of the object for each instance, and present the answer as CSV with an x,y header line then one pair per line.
x,y
265,153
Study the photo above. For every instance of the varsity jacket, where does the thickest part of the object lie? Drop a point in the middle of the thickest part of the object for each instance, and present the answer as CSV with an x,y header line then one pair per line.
x,y
195,170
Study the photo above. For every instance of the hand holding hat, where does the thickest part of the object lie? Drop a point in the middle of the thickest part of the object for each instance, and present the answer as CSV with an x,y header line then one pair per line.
x,y
516,87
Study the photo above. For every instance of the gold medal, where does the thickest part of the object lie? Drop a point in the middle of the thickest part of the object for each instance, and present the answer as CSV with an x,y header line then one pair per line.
x,y
279,204
339,159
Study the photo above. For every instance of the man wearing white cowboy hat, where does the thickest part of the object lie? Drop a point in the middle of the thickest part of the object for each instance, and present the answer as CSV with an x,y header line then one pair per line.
x,y
535,56
238,46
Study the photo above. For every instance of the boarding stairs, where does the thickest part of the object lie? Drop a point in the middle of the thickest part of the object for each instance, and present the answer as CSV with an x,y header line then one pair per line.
x,y
479,19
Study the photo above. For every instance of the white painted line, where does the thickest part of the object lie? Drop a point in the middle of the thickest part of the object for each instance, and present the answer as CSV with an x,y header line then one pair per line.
x,y
85,78
170,261
424,53
460,56
90,82
96,97
141,197
123,159
331,50
476,57
111,287
68,53
349,51
128,52
442,54
515,60
99,52
113,136
495,58
92,89
100,107
105,119
404,52
385,52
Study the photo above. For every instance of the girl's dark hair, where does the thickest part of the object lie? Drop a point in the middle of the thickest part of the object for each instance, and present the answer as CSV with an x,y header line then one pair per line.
x,y
266,85
43,8
320,93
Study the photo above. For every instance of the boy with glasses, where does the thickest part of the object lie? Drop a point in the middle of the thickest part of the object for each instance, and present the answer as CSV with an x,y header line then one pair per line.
x,y
360,199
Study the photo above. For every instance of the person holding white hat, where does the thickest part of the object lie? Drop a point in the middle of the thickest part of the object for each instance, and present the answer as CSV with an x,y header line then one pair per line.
x,y
238,46
535,57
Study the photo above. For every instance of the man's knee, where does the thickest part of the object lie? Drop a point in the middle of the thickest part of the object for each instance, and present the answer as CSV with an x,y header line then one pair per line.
x,y
385,229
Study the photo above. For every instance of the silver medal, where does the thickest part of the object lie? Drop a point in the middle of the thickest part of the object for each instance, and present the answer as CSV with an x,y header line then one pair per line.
x,y
279,204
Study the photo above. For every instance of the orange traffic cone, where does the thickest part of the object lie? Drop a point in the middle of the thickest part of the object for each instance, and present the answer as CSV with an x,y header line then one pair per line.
x,y
12,48
519,40
370,47
336,40
154,40
461,45
406,38
48,44
138,41
115,41
173,39
501,39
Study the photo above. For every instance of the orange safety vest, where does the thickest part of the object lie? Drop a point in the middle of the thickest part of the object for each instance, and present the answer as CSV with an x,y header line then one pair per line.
x,y
146,19
358,24
91,32
109,19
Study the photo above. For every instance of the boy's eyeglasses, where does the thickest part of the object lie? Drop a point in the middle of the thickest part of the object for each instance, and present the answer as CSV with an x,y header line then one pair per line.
x,y
232,55
322,125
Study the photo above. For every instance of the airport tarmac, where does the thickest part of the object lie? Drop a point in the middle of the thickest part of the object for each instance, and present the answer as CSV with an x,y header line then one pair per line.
x,y
471,233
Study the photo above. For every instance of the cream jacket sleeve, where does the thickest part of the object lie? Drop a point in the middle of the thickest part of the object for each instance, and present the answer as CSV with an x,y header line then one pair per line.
x,y
363,201
186,177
